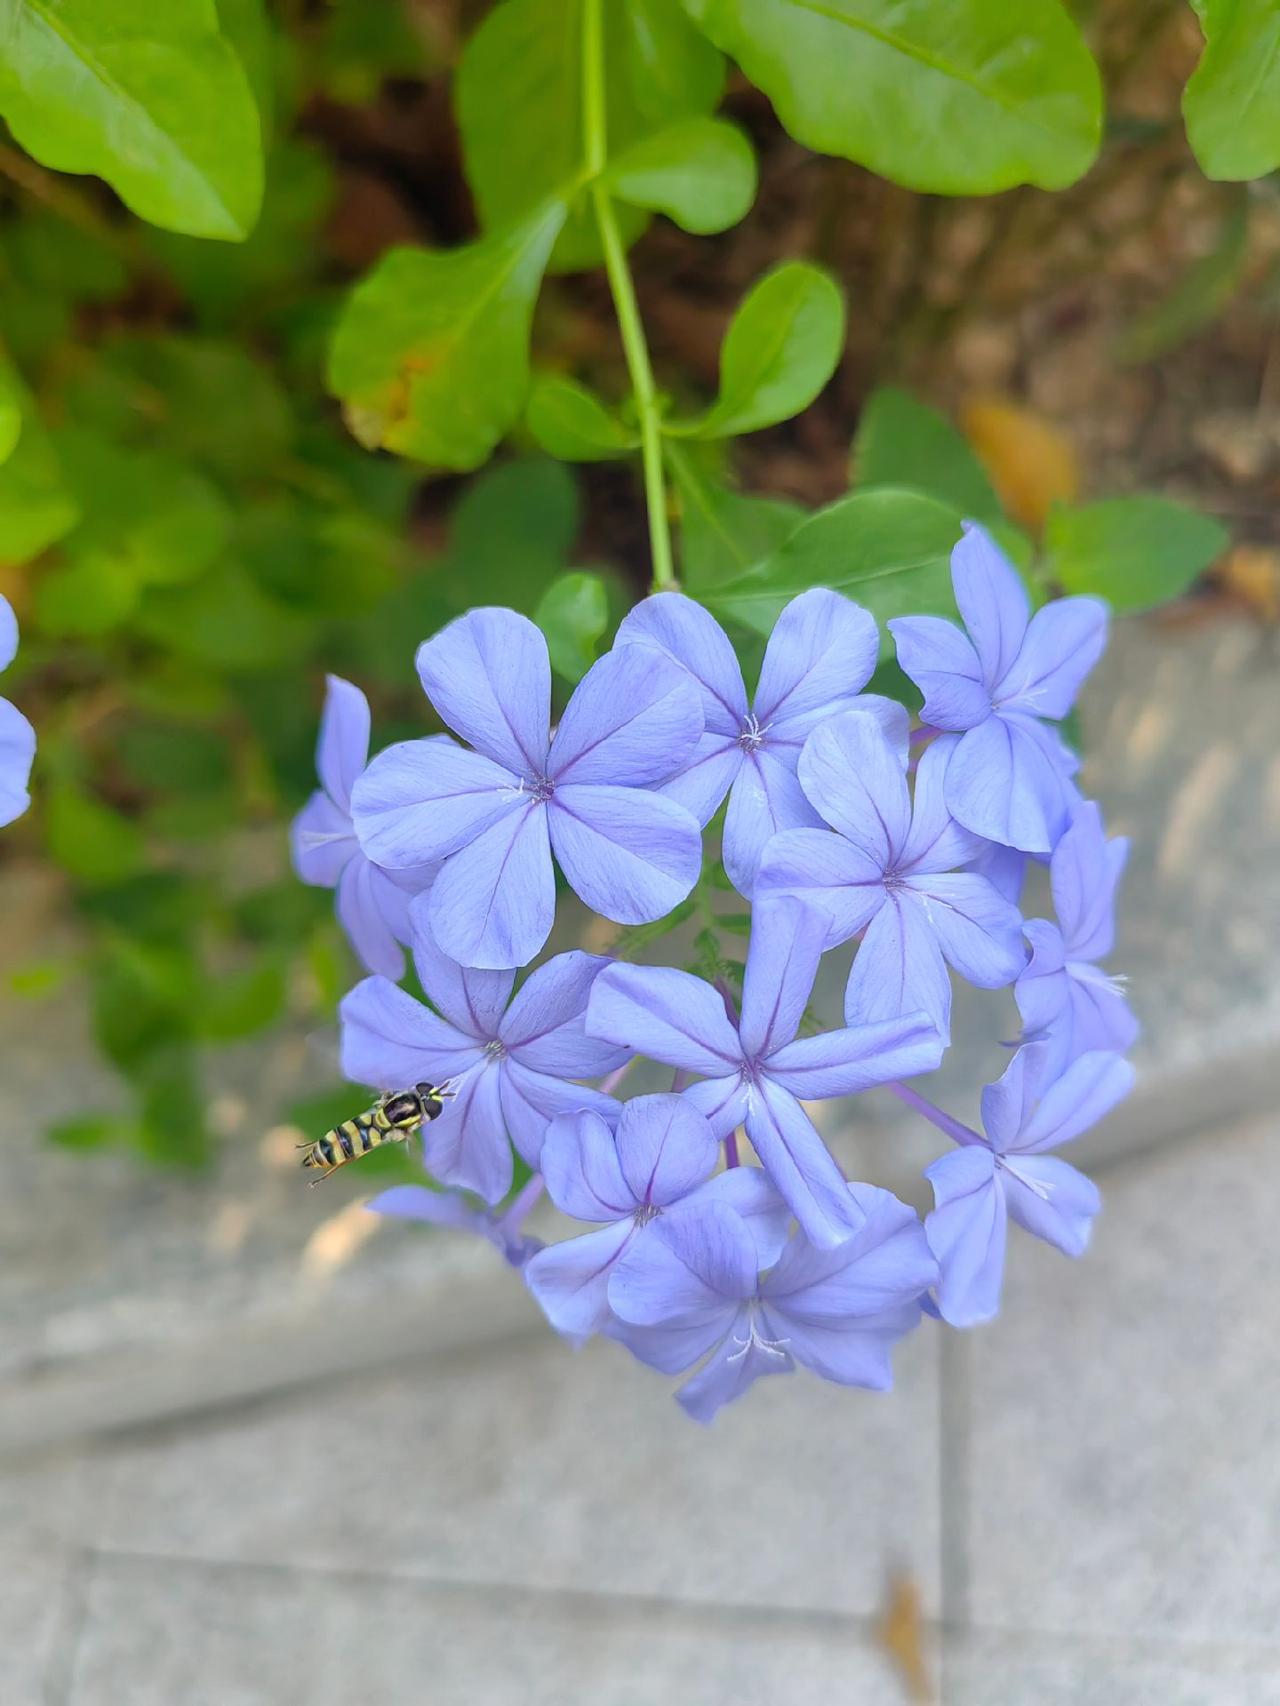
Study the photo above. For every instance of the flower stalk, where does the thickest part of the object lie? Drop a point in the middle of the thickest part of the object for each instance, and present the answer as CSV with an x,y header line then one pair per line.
x,y
635,349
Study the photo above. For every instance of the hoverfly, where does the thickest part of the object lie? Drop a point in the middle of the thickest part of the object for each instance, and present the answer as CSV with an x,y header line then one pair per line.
x,y
393,1118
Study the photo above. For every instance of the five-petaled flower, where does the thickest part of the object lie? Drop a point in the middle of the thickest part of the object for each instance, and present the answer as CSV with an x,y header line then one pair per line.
x,y
756,1071
17,737
820,655
692,1288
980,1184
495,812
1063,996
1009,776
662,1152
891,872
372,905
510,1067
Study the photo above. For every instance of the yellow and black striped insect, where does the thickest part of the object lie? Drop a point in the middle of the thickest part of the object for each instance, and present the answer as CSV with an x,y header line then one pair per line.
x,y
393,1118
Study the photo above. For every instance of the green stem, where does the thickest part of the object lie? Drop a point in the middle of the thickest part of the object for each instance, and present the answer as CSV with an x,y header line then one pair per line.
x,y
595,143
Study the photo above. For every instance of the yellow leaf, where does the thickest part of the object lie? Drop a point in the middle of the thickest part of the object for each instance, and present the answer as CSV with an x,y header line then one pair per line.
x,y
1251,573
900,1633
1030,463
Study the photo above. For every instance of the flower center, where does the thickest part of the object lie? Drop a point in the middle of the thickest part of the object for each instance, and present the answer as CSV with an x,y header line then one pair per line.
x,y
752,734
645,1213
538,788
495,1048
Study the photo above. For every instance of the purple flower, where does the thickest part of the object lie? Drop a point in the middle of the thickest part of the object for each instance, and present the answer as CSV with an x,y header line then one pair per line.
x,y
979,1185
495,812
891,872
691,1289
447,1208
372,904
755,1073
1063,997
663,1151
821,653
1010,773
510,1067
17,737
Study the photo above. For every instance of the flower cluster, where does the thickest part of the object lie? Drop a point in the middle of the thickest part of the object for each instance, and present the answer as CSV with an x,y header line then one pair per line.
x,y
719,1235
17,737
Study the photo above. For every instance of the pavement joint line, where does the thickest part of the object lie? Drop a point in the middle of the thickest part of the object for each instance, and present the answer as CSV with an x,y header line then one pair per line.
x,y
1153,1648
71,1621
954,1462
498,1595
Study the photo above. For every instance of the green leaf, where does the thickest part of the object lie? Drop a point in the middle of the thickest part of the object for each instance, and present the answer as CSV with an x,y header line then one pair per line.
x,y
87,597
361,45
1135,552
511,534
161,756
36,507
204,398
1232,102
173,1127
521,76
700,172
722,533
241,1003
89,839
903,442
1197,296
431,354
154,99
226,620
959,98
781,348
55,258
11,410
889,550
94,1131
572,423
156,517
573,613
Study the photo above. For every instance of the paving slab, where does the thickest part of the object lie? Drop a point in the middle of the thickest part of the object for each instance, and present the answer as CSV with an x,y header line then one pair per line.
x,y
1031,1670
156,1634
535,1466
1123,1477
48,1514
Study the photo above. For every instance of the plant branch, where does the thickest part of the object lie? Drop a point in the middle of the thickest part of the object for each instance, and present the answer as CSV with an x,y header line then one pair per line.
x,y
636,350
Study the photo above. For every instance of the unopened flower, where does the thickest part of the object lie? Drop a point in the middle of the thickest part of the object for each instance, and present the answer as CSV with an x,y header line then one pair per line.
x,y
820,655
984,1181
17,737
504,1228
372,904
692,1289
494,812
1064,997
510,1067
663,1151
1009,776
890,870
756,1072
